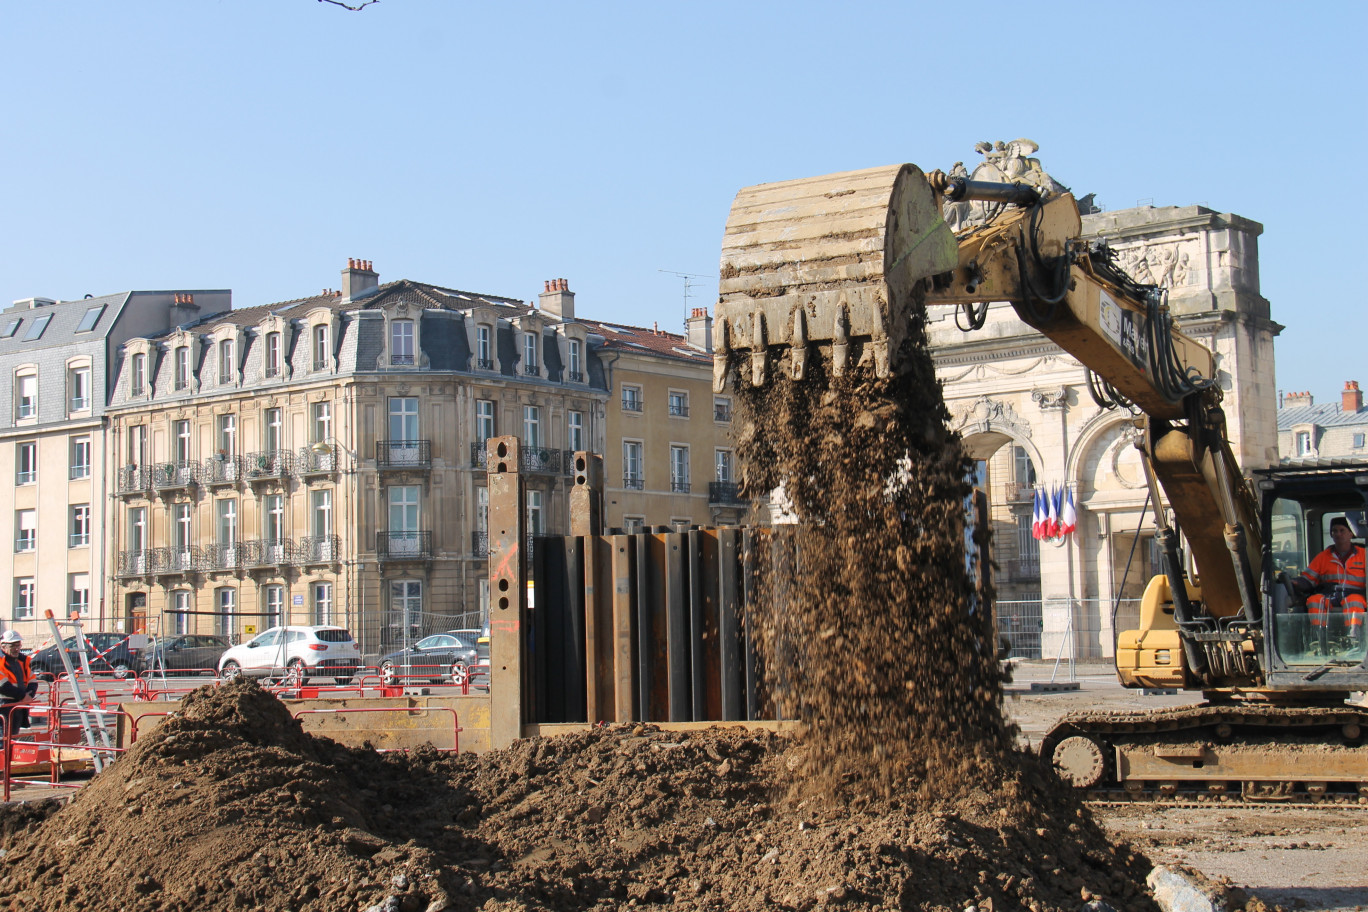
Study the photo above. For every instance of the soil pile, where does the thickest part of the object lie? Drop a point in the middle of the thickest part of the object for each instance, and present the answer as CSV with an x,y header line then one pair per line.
x,y
231,806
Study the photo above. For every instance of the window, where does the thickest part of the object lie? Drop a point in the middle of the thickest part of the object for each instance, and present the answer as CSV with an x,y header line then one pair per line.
x,y
403,508
182,368
226,511
576,368
320,347
26,530
137,444
227,435
321,420
401,342
78,584
225,602
320,508
25,462
406,606
182,429
25,598
679,404
180,515
273,354
274,426
1358,441
722,410
26,396
723,462
322,603
679,469
78,387
532,427
403,418
534,513
484,420
1023,470
181,602
79,536
137,529
484,351
530,353
137,382
79,458
631,464
10,329
482,509
35,330
1028,546
92,316
631,398
226,361
575,431
1303,443
274,598
274,516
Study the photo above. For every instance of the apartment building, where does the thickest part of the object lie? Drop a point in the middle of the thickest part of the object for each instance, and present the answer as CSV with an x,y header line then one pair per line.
x,y
669,457
56,362
1308,432
322,460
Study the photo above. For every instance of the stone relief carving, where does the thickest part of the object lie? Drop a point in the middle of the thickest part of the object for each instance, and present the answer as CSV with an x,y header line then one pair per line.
x,y
1122,460
1168,264
1052,399
984,414
1003,163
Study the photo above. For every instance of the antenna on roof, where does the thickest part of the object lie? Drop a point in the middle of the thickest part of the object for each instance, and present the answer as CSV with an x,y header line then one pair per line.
x,y
686,276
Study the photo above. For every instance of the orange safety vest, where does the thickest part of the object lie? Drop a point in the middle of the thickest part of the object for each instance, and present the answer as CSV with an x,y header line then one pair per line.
x,y
1330,574
6,675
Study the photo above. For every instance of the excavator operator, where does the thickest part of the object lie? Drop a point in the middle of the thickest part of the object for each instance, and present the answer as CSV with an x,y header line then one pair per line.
x,y
1335,581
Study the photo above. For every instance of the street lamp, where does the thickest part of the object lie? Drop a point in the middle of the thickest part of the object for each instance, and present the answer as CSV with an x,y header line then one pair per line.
x,y
325,447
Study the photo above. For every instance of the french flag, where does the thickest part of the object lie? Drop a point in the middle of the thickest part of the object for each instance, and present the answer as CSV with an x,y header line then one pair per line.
x,y
1052,519
1038,515
1068,516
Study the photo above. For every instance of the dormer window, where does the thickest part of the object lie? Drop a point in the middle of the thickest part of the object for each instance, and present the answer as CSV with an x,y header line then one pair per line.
x,y
26,396
182,368
226,361
137,382
1304,444
320,347
401,342
575,368
273,354
78,387
484,347
530,354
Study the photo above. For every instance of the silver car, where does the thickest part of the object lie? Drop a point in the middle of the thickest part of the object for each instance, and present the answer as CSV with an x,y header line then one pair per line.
x,y
298,653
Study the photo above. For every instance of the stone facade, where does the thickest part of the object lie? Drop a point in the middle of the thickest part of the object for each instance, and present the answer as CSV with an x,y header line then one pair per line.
x,y
1024,410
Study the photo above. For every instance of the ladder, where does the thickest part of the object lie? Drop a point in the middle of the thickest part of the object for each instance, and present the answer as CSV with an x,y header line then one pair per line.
x,y
83,688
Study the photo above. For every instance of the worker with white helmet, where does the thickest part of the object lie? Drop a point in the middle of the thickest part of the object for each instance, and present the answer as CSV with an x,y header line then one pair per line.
x,y
17,684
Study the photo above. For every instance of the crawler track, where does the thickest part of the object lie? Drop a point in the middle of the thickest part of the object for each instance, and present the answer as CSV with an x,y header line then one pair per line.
x,y
1230,754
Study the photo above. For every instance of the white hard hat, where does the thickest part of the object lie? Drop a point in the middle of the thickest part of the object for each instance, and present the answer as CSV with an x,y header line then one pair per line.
x,y
11,636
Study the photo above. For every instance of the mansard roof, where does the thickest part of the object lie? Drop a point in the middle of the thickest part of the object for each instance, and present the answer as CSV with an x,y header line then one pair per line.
x,y
640,340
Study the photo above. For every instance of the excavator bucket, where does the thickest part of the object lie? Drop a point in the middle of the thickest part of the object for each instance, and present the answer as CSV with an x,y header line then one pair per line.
x,y
830,262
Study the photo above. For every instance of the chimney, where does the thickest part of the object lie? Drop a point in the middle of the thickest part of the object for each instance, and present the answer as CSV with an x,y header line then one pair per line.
x,y
183,308
558,300
699,329
1293,400
358,278
1351,400
32,303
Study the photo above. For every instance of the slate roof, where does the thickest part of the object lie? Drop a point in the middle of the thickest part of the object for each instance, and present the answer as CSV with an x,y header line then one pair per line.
x,y
1327,415
625,338
61,328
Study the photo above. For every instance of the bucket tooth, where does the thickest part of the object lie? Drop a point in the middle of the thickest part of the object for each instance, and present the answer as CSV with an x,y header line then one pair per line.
x,y
798,344
721,354
759,352
879,343
840,341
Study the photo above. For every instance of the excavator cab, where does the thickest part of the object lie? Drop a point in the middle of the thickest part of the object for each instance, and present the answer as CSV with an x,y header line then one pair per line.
x,y
1312,642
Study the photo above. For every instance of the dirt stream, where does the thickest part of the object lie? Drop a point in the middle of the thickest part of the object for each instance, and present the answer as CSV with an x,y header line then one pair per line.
x,y
904,792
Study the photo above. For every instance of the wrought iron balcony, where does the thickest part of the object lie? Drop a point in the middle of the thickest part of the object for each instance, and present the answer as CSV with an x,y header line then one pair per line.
x,y
678,486
225,556
177,561
318,549
132,479
221,470
484,364
1018,492
479,455
722,412
479,543
170,476
679,410
542,461
574,376
631,405
403,546
633,482
532,370
725,493
311,462
268,553
135,563
268,464
403,454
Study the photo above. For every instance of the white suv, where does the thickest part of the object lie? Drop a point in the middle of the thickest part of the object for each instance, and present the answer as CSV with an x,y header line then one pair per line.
x,y
296,652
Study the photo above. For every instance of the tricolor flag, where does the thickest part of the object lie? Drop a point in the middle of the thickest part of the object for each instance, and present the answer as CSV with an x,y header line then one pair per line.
x,y
1037,516
1052,519
1068,517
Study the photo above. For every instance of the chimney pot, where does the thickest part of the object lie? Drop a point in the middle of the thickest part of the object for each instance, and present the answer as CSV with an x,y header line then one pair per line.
x,y
1351,400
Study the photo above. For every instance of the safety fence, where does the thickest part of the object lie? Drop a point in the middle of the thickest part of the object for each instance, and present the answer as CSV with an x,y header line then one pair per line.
x,y
1068,629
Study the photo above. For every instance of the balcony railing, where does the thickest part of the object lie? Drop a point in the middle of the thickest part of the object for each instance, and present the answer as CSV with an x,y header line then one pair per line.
x,y
225,556
631,405
268,464
725,493
479,455
318,549
633,482
79,471
26,542
543,461
167,476
479,543
574,376
269,553
484,364
78,405
532,370
403,546
132,479
308,461
678,487
403,454
174,561
22,478
722,412
78,540
135,563
679,410
1018,492
221,470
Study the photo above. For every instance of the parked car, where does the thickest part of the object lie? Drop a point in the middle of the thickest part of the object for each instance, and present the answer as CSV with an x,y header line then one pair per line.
x,y
194,652
299,652
107,653
437,658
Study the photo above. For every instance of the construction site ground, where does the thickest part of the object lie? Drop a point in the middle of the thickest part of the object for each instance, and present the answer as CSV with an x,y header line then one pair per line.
x,y
1298,858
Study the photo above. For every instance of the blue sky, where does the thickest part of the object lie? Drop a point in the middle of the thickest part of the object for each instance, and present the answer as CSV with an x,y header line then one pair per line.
x,y
257,144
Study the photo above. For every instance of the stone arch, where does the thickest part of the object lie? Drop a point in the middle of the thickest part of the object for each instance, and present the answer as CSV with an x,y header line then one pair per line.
x,y
1100,431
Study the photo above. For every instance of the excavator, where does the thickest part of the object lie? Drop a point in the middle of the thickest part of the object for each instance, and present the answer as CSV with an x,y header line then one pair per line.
x,y
836,268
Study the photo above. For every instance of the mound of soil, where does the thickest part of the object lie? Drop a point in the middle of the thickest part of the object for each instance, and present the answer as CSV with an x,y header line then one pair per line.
x,y
232,806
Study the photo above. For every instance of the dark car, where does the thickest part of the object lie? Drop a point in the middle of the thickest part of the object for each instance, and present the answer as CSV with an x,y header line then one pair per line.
x,y
437,658
195,653
108,654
